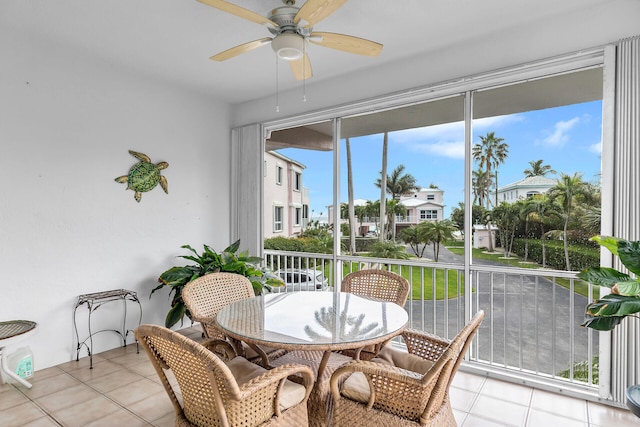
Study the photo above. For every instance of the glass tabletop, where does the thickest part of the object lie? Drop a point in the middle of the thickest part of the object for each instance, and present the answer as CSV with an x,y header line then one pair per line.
x,y
312,320
633,399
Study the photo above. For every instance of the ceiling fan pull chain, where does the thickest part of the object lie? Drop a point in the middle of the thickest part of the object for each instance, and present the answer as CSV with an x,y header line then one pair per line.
x,y
304,71
277,87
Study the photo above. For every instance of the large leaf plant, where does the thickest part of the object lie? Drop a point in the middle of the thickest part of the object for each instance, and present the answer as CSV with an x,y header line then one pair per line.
x,y
624,300
209,261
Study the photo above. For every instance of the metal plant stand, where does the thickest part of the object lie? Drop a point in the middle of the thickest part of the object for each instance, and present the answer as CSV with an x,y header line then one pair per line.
x,y
96,300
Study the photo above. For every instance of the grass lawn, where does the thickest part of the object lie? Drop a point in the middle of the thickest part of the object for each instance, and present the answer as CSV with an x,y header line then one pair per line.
x,y
422,286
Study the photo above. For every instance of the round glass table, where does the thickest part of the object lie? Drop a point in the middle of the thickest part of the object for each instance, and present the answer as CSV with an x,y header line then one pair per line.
x,y
312,321
633,399
11,332
312,325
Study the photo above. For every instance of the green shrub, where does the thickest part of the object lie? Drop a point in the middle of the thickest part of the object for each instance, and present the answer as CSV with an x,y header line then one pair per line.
x,y
581,256
284,244
363,244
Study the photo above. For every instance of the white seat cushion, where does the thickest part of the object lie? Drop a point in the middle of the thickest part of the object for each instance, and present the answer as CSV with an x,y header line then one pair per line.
x,y
356,387
244,371
404,360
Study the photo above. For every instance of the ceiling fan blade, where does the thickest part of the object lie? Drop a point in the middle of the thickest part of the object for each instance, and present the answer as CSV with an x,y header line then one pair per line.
x,y
314,11
301,68
346,43
240,49
239,11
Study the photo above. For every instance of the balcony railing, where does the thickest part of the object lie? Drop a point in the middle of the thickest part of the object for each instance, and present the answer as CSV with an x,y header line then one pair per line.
x,y
531,330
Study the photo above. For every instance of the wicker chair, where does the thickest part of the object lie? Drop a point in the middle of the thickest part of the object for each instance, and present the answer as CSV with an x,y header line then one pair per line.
x,y
402,389
215,393
206,295
380,284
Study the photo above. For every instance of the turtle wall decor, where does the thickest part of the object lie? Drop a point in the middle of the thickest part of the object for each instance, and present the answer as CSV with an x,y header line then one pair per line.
x,y
144,175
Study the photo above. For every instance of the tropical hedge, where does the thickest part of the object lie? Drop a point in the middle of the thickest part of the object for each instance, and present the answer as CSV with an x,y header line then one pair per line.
x,y
580,256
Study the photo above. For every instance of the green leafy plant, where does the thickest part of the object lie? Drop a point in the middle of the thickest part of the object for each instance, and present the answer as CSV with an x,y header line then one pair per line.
x,y
209,261
624,300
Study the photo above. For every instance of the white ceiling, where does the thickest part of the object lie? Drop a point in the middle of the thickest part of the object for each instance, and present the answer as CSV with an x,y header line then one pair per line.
x,y
173,39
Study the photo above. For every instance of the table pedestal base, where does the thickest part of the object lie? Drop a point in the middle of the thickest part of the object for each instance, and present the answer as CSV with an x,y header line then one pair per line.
x,y
320,405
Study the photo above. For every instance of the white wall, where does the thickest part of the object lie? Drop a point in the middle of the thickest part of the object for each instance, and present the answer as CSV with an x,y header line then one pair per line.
x,y
66,227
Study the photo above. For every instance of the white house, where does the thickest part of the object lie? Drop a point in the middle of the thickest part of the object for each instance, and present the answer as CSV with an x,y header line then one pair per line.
x,y
525,188
426,204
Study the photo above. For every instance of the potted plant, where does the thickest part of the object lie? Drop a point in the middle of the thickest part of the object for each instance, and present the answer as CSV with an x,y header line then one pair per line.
x,y
624,300
209,261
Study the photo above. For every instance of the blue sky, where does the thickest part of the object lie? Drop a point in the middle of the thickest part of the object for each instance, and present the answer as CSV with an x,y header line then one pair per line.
x,y
567,138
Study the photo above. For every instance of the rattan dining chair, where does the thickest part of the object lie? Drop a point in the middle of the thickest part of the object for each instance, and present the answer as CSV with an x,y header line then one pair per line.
x,y
379,284
206,295
215,392
402,389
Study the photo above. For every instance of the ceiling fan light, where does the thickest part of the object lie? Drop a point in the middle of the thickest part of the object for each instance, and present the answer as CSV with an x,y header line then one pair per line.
x,y
288,46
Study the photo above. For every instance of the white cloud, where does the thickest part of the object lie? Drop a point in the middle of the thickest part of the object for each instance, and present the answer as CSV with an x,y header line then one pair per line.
x,y
446,140
454,150
596,148
560,136
444,131
496,122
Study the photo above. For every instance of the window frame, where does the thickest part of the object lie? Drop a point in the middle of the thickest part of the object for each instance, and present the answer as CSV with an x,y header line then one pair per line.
x,y
276,222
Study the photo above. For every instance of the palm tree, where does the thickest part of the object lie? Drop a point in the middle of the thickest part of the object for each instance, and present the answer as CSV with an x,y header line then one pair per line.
x,y
527,213
541,208
566,192
398,184
436,232
537,169
350,326
372,210
481,184
412,237
457,215
388,250
360,212
490,152
383,185
351,213
394,209
507,218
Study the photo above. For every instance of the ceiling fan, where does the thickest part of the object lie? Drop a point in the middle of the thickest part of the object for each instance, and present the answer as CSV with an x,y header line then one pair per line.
x,y
292,29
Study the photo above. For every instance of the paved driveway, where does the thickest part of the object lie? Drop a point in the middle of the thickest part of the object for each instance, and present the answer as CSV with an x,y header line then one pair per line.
x,y
529,316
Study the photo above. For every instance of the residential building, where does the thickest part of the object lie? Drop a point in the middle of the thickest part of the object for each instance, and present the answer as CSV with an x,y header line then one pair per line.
x,y
426,204
525,188
286,200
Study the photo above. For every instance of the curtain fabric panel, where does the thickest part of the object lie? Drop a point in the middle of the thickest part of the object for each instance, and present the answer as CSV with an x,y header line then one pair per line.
x,y
246,188
625,361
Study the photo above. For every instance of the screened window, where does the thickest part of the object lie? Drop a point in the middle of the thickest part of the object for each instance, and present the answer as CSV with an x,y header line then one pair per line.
x,y
297,181
277,218
428,214
297,217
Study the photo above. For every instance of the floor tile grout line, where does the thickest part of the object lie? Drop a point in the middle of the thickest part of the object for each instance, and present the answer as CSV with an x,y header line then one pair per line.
x,y
46,412
104,394
475,398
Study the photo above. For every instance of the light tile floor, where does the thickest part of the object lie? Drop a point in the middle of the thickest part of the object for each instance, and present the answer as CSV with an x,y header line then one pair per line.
x,y
122,389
